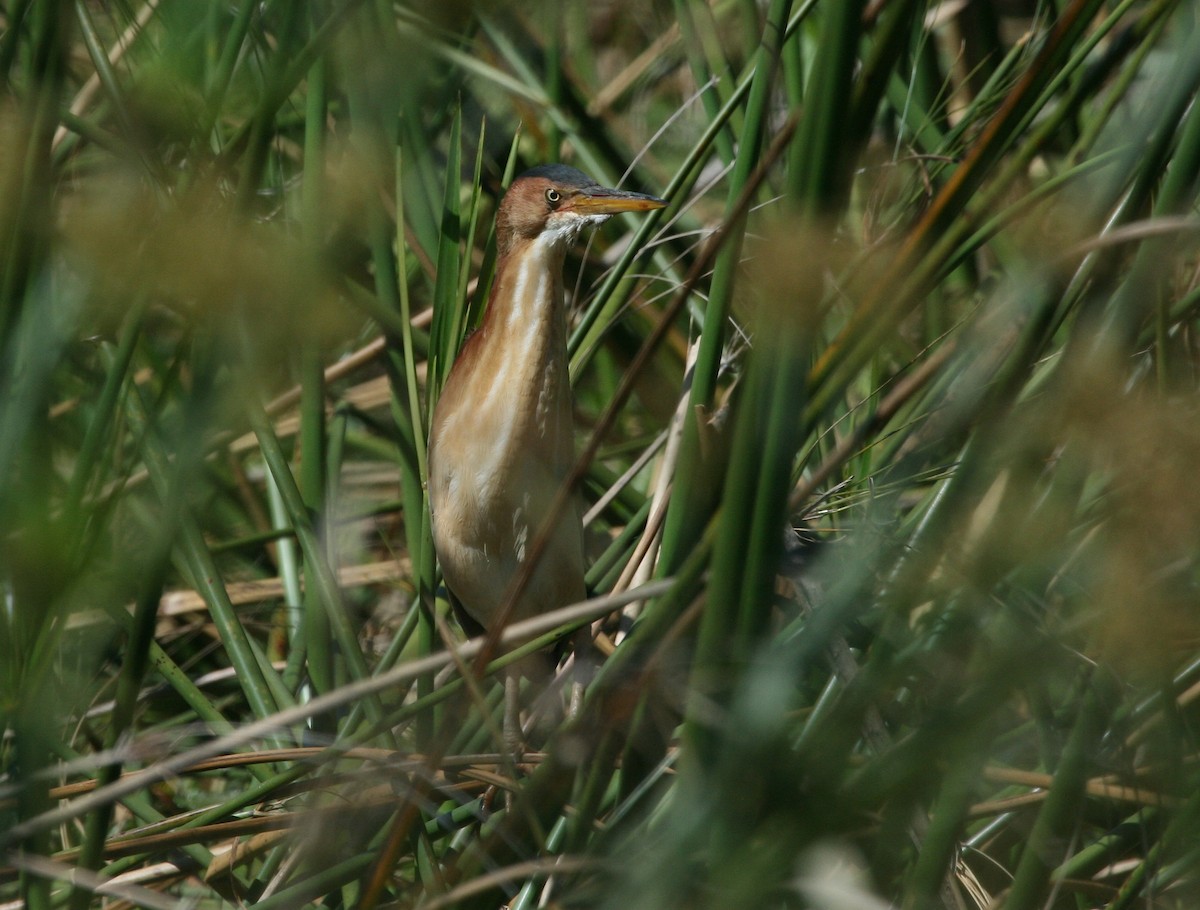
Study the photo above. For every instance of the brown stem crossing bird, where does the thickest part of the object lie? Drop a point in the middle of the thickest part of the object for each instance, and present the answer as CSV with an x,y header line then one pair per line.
x,y
502,441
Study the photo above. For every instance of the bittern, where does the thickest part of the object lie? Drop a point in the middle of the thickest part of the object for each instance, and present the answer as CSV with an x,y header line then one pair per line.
x,y
502,442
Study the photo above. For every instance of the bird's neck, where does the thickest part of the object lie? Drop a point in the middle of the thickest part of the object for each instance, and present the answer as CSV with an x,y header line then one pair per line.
x,y
528,284
524,349
525,320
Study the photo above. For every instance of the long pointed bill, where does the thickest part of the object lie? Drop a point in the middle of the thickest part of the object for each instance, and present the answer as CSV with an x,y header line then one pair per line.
x,y
603,201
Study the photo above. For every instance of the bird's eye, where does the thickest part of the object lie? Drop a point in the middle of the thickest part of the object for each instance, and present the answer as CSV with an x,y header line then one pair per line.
x,y
553,196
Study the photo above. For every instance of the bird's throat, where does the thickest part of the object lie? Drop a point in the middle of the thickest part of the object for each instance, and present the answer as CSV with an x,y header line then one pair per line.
x,y
520,376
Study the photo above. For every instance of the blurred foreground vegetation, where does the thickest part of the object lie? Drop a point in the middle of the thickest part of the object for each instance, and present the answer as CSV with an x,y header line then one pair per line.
x,y
890,435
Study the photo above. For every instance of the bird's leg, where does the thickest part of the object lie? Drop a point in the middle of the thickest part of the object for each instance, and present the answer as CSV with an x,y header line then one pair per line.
x,y
514,740
584,670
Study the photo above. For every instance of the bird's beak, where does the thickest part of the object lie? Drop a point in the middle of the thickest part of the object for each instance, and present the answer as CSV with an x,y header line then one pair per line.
x,y
600,200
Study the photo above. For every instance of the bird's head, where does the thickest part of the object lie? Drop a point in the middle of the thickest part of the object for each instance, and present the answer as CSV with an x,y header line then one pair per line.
x,y
554,202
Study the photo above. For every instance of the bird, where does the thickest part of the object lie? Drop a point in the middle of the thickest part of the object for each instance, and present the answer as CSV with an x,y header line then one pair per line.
x,y
501,441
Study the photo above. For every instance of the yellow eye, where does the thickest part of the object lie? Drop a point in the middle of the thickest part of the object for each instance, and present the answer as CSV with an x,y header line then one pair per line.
x,y
553,196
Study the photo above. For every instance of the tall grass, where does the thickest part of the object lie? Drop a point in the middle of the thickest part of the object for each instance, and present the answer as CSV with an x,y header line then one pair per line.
x,y
888,429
